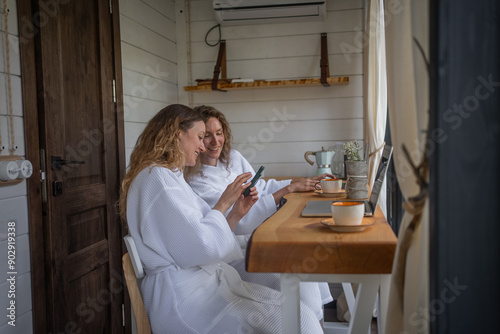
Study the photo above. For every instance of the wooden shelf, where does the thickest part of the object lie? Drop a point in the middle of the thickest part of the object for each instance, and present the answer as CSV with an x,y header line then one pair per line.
x,y
206,86
225,84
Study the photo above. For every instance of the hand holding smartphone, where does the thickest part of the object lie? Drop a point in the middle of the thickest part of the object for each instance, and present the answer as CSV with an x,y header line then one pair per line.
x,y
254,181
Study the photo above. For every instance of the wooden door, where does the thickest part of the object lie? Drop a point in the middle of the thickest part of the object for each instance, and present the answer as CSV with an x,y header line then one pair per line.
x,y
77,124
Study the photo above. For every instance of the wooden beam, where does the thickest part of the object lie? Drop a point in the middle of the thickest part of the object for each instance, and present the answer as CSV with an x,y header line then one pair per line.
x,y
221,64
208,85
323,63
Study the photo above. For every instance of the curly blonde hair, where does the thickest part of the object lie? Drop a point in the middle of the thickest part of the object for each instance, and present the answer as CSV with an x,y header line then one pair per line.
x,y
208,112
159,145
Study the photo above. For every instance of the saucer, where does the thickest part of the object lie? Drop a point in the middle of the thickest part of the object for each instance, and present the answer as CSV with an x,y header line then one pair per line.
x,y
339,194
346,228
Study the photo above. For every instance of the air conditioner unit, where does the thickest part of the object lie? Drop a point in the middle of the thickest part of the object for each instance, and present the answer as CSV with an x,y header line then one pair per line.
x,y
233,12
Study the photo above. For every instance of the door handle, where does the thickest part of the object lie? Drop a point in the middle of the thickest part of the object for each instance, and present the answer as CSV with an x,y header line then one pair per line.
x,y
43,176
57,162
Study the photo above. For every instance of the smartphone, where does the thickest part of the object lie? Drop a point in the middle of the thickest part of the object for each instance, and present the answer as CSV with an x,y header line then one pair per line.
x,y
254,181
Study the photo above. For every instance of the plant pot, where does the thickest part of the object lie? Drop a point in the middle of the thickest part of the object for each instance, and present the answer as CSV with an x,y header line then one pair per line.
x,y
357,179
357,168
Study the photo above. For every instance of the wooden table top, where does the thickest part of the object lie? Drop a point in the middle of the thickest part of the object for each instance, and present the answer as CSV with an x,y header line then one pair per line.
x,y
290,243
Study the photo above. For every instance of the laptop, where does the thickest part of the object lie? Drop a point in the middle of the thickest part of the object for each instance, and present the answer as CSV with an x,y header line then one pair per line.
x,y
322,208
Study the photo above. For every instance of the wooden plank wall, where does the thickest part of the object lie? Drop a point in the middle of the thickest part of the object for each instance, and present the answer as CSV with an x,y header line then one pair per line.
x,y
275,127
271,127
149,57
13,199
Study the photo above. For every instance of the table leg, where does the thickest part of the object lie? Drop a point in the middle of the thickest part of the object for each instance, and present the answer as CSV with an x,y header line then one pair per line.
x,y
385,284
290,303
349,295
363,310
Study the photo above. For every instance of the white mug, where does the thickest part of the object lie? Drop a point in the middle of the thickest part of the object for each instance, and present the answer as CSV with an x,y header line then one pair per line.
x,y
348,213
329,186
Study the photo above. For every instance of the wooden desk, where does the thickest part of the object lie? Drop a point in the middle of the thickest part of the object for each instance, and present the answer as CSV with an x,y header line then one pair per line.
x,y
303,249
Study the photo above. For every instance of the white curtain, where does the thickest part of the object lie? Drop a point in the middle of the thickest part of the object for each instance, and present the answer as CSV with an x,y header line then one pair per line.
x,y
375,90
407,25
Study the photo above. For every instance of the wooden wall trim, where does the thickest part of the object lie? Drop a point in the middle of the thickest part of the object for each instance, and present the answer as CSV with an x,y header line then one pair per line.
x,y
120,118
120,138
31,131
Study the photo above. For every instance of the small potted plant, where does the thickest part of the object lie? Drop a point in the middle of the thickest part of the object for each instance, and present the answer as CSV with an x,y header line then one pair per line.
x,y
351,149
357,172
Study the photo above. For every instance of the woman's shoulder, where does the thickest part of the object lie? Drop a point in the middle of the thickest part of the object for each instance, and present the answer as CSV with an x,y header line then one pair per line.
x,y
155,170
236,155
155,173
239,161
199,176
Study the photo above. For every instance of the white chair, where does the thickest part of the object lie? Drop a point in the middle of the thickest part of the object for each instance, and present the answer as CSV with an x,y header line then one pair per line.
x,y
134,258
134,272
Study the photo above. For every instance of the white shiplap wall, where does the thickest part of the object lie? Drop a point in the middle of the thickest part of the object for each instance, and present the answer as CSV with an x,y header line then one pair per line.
x,y
13,199
275,127
149,61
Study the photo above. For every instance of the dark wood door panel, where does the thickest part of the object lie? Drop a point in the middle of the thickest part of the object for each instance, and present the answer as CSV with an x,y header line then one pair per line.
x,y
87,260
86,228
78,199
80,85
90,307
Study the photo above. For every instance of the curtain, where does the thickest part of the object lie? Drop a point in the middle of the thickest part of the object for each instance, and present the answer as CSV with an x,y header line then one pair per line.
x,y
407,43
375,91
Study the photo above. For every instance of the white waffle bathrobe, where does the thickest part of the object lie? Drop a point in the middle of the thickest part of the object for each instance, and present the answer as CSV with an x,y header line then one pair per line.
x,y
214,180
184,247
210,185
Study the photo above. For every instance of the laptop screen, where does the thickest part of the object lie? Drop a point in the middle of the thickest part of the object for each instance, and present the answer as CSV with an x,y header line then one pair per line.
x,y
380,176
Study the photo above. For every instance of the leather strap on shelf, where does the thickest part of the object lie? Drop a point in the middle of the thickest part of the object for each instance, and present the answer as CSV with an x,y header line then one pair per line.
x,y
220,65
325,69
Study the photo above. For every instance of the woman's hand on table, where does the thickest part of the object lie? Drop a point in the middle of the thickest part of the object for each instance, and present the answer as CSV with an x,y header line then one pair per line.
x,y
308,183
318,178
305,184
300,185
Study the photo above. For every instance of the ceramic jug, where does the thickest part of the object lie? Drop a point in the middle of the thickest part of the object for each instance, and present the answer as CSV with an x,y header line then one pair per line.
x,y
323,160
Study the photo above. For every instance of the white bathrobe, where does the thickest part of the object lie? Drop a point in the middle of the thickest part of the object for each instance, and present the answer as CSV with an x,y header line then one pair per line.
x,y
184,247
214,180
211,183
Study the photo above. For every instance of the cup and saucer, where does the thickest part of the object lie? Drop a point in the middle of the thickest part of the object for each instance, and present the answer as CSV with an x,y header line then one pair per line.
x,y
345,228
329,188
347,217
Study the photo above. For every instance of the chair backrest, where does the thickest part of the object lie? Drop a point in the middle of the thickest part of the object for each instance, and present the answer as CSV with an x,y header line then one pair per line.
x,y
134,272
141,318
134,257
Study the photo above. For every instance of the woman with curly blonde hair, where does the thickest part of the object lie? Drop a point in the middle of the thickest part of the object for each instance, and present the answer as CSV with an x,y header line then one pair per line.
x,y
185,245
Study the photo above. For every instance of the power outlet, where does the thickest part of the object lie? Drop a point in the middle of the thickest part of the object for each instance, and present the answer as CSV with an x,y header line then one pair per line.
x,y
10,158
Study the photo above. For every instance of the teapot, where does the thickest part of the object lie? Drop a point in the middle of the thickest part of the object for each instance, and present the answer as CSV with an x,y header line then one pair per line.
x,y
323,160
